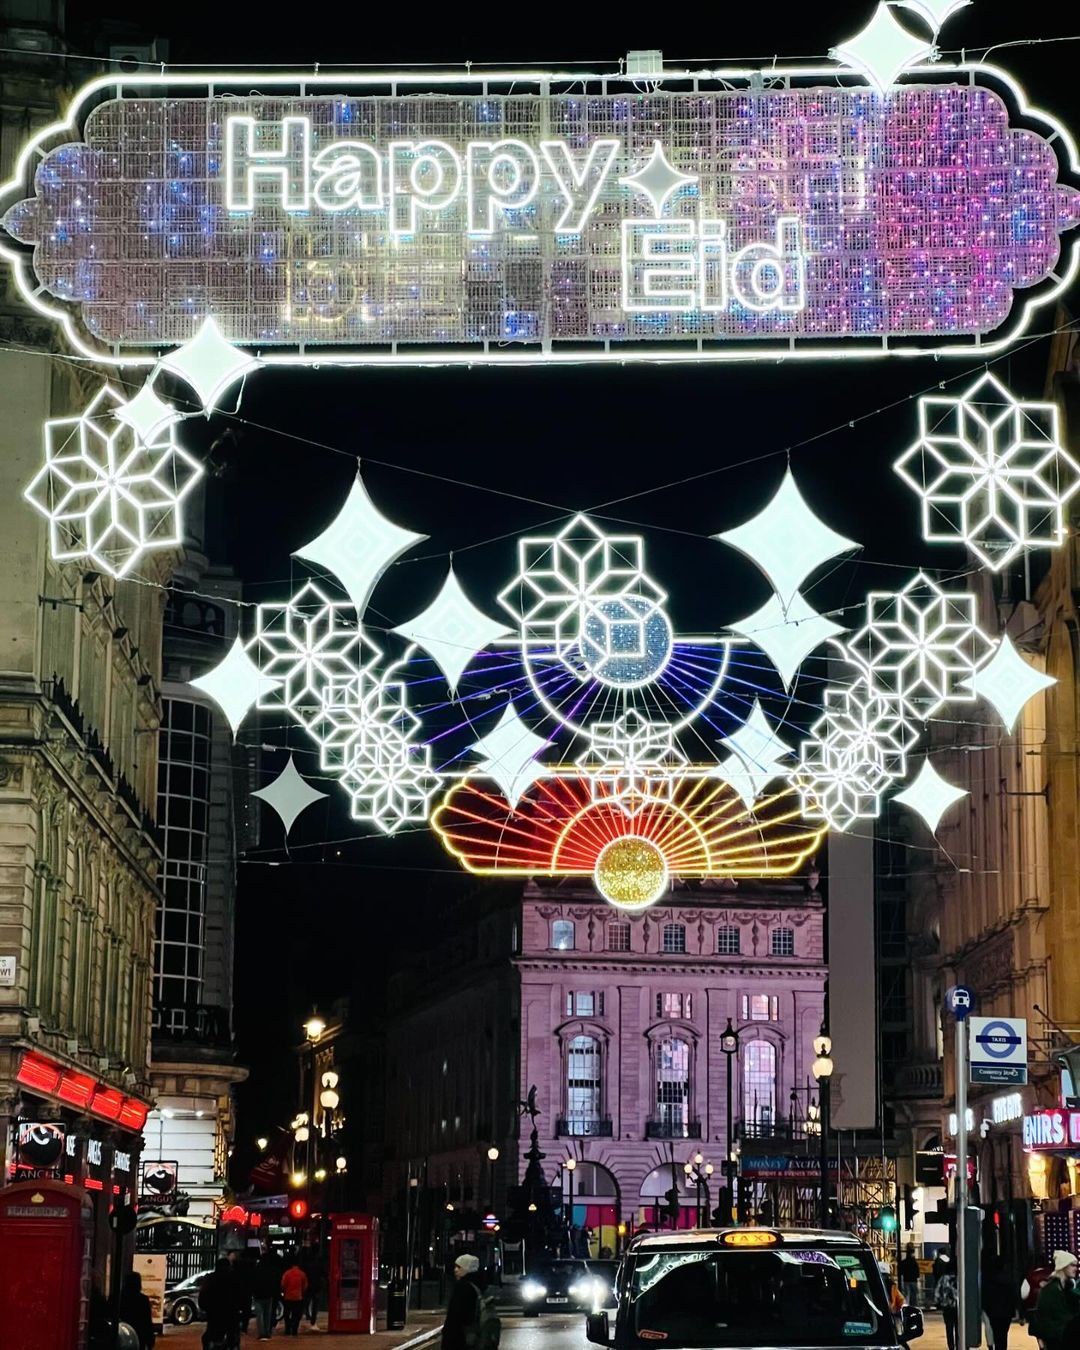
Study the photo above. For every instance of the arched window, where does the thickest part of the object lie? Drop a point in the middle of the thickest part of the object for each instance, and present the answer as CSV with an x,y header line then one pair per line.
x,y
759,1082
562,935
583,1085
673,1087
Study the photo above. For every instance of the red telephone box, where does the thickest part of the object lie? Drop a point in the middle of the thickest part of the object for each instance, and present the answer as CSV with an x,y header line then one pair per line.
x,y
354,1272
45,1240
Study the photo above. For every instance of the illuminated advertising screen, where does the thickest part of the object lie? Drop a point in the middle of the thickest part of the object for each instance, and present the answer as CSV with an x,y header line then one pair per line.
x,y
386,218
39,1149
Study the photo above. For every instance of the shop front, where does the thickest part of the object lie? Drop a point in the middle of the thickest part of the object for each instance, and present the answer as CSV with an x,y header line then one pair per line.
x,y
67,1125
1051,1141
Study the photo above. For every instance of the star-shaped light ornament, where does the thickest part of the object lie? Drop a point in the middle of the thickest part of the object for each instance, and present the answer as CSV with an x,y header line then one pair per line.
x,y
658,179
883,50
107,494
787,540
146,413
930,796
991,471
787,634
452,630
209,363
631,761
508,754
1008,682
289,794
754,761
358,545
934,13
235,684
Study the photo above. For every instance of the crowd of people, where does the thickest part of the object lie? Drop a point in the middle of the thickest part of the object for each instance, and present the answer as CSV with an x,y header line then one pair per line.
x,y
238,1290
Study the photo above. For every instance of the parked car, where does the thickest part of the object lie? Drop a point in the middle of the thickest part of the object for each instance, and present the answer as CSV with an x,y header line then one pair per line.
x,y
182,1301
750,1287
573,1285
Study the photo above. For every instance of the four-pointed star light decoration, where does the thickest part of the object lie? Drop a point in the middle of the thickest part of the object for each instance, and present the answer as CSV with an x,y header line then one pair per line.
x,y
508,754
107,494
787,540
289,794
1008,682
882,50
452,630
235,684
358,546
787,634
930,796
209,363
658,179
755,757
147,414
991,471
934,13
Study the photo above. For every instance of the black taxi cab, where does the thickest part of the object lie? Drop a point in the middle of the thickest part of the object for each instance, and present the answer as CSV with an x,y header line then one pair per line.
x,y
750,1287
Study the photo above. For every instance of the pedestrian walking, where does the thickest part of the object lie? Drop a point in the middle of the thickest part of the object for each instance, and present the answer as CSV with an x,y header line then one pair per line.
x,y
266,1290
135,1310
909,1275
999,1300
294,1286
463,1309
946,1298
217,1299
940,1266
1058,1303
314,1268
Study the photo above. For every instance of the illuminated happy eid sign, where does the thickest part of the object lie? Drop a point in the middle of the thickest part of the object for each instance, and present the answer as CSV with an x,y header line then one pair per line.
x,y
340,219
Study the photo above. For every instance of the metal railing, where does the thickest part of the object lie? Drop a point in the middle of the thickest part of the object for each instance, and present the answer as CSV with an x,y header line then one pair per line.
x,y
200,1023
673,1129
583,1127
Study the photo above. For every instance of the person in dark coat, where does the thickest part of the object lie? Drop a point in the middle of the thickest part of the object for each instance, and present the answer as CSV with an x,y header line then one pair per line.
x,y
463,1309
135,1310
1058,1303
999,1300
313,1266
217,1299
909,1276
266,1289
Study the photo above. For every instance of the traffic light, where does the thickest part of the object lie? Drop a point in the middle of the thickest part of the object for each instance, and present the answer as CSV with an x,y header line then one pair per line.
x,y
885,1220
671,1206
298,1209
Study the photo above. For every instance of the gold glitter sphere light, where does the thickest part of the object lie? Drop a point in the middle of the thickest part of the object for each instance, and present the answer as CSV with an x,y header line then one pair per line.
x,y
631,872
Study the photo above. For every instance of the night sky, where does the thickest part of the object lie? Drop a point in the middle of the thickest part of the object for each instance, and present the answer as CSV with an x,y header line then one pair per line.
x,y
473,457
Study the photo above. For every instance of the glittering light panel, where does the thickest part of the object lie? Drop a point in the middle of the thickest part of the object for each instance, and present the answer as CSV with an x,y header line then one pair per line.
x,y
799,213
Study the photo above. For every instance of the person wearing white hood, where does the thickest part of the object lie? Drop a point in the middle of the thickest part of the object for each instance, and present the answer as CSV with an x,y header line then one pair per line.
x,y
463,1308
1058,1302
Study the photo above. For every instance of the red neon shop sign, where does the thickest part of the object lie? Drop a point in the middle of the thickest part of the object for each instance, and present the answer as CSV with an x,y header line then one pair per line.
x,y
41,1074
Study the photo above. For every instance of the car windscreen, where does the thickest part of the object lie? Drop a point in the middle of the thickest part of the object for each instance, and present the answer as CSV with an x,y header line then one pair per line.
x,y
797,1297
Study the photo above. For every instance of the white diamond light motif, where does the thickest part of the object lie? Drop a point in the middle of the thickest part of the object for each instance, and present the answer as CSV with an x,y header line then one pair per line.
x,y
209,363
289,794
991,471
787,635
452,630
234,684
787,540
934,13
1008,682
147,414
358,546
108,495
508,754
882,50
919,644
657,179
930,796
754,761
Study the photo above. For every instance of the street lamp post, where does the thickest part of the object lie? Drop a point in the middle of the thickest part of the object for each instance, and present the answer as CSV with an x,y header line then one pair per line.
x,y
729,1044
493,1158
568,1167
822,1069
699,1171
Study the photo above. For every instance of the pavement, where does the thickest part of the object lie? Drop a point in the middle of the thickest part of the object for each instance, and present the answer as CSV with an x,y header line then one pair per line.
x,y
422,1331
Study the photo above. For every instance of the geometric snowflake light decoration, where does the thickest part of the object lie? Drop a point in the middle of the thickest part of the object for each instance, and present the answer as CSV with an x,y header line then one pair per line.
x,y
991,472
631,761
109,495
919,645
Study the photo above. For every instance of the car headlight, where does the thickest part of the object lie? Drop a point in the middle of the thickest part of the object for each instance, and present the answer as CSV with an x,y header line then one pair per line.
x,y
579,1290
532,1290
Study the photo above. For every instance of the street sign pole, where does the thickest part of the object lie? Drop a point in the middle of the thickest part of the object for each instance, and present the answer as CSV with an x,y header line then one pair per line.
x,y
961,1181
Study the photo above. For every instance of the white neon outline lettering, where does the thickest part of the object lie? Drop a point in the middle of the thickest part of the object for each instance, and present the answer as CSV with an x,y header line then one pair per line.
x,y
342,162
413,156
572,179
494,197
654,269
274,164
712,237
778,258
20,260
